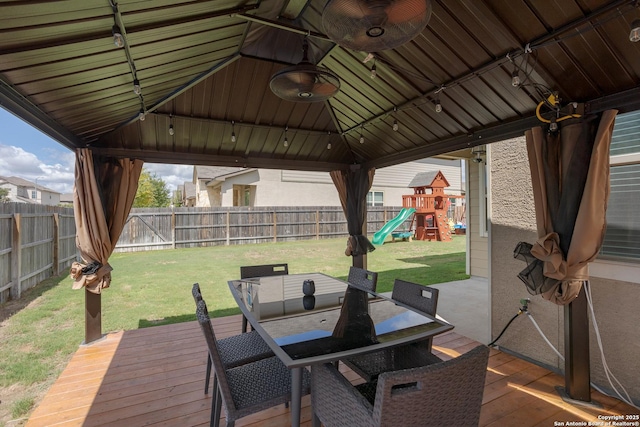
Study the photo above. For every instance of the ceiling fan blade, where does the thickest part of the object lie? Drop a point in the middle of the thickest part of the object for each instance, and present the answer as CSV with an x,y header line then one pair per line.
x,y
374,25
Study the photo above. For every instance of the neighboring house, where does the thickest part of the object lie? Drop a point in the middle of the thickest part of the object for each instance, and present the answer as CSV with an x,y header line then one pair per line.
x,y
500,213
21,190
228,186
66,199
187,193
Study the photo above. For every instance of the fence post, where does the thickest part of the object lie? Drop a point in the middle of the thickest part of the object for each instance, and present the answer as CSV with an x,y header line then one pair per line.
x,y
56,243
228,227
275,227
317,224
173,228
16,258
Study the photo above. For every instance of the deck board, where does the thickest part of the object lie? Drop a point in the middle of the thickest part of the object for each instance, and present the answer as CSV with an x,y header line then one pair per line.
x,y
155,376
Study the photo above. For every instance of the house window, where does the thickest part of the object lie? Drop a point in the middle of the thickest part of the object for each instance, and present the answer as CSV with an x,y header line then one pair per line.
x,y
622,238
375,198
34,194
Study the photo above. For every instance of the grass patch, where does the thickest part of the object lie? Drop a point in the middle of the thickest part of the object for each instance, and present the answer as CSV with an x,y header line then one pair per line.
x,y
22,407
41,331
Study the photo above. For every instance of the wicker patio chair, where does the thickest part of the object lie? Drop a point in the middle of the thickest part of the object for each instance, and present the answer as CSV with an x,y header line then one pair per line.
x,y
248,271
370,365
448,393
249,388
236,350
362,279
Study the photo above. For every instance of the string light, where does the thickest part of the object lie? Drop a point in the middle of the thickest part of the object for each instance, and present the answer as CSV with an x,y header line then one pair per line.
x,y
438,106
136,86
118,40
286,141
374,73
395,121
634,35
233,132
515,77
328,146
141,115
361,136
171,130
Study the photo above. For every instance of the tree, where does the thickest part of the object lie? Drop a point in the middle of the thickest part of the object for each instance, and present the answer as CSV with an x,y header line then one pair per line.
x,y
160,192
152,192
177,198
4,195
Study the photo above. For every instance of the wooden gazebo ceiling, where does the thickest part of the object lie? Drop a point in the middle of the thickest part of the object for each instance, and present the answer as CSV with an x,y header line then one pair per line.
x,y
205,64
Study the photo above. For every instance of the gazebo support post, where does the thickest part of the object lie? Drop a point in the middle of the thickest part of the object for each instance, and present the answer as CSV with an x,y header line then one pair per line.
x,y
576,350
92,317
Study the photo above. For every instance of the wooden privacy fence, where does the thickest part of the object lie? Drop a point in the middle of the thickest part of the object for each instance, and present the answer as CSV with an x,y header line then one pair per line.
x,y
36,242
164,228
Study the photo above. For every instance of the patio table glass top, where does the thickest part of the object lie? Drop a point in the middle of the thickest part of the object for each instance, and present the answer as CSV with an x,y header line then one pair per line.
x,y
337,321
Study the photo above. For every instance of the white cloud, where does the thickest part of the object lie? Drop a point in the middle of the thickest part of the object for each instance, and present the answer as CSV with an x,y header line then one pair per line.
x,y
14,161
173,175
59,176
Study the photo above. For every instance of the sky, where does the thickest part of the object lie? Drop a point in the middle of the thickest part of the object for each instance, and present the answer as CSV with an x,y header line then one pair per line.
x,y
27,153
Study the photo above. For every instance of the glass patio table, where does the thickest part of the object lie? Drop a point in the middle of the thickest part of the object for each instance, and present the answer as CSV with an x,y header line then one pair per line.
x,y
334,322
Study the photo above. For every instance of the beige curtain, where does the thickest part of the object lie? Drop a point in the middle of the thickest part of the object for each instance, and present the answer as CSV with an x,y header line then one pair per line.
x,y
352,186
104,191
570,177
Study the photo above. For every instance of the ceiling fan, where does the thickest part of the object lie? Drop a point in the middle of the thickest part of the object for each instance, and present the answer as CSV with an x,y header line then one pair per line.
x,y
374,25
305,82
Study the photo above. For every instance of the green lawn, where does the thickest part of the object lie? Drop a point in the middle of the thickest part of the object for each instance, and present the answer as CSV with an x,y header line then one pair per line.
x,y
40,332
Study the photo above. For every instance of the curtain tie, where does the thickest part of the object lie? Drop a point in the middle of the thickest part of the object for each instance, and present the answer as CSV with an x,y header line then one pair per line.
x,y
547,249
93,276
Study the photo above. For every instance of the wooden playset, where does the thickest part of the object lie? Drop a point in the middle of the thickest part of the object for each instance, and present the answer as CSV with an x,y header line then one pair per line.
x,y
430,220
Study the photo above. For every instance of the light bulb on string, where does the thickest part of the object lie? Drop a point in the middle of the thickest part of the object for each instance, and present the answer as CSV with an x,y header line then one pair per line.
x,y
361,136
141,115
328,146
286,141
233,132
136,87
515,77
374,71
438,106
118,39
634,35
395,126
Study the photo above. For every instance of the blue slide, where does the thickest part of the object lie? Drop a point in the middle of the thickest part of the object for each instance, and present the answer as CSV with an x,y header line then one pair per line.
x,y
378,238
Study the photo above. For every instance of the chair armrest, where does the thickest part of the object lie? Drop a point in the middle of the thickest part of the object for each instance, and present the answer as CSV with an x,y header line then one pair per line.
x,y
335,401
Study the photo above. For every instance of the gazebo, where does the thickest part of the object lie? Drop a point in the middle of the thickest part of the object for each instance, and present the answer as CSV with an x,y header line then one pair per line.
x,y
201,82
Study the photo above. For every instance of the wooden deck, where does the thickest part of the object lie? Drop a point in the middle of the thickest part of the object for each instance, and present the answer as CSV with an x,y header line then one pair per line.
x,y
155,376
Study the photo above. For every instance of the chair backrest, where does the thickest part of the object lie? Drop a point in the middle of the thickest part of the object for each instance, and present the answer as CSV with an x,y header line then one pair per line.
x,y
445,393
248,271
420,297
362,279
195,291
210,338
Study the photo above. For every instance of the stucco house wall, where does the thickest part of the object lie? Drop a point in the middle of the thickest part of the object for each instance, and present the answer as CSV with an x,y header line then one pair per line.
x,y
615,285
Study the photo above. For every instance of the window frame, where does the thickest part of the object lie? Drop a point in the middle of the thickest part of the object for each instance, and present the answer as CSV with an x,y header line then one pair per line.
x,y
611,266
373,193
